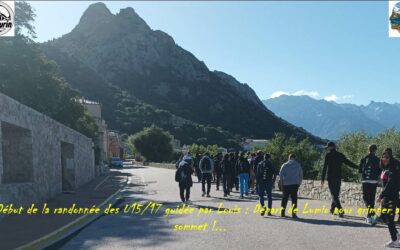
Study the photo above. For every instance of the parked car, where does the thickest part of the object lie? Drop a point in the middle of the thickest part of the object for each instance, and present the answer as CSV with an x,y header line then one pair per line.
x,y
116,162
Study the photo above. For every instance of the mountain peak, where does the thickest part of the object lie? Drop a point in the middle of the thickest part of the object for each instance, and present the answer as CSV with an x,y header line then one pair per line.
x,y
95,12
129,14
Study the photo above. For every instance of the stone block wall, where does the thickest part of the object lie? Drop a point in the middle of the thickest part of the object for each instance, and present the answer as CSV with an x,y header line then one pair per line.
x,y
30,154
350,194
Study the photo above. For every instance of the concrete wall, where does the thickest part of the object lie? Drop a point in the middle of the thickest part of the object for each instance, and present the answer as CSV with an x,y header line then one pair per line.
x,y
350,193
30,162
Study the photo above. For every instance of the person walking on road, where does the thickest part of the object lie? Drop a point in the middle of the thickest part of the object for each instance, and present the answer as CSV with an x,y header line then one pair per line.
x,y
235,163
244,174
333,169
265,175
291,176
197,168
370,173
254,164
184,177
389,196
227,172
206,166
218,170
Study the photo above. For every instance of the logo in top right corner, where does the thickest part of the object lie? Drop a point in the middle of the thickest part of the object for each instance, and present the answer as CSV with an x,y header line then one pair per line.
x,y
394,19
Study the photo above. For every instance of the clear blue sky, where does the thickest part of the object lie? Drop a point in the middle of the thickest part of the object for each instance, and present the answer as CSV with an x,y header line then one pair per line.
x,y
325,49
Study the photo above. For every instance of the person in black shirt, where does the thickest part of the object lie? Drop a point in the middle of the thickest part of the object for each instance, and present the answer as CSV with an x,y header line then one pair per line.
x,y
333,167
266,175
218,169
370,171
390,195
244,174
227,172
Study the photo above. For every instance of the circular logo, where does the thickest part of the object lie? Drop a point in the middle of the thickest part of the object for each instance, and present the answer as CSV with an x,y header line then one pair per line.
x,y
6,18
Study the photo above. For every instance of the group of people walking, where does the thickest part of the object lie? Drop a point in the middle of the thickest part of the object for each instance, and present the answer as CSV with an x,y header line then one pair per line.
x,y
373,170
245,172
255,173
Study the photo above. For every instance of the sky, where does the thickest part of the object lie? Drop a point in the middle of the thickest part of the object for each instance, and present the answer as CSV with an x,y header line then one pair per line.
x,y
338,51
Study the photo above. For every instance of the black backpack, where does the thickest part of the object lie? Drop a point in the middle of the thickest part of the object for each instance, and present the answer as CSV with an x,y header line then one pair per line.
x,y
178,174
207,163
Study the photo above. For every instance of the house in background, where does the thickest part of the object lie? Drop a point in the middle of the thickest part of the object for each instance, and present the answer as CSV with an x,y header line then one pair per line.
x,y
94,110
253,144
115,147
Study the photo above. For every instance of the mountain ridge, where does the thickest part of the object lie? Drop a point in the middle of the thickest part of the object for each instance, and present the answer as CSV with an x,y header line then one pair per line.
x,y
150,66
330,119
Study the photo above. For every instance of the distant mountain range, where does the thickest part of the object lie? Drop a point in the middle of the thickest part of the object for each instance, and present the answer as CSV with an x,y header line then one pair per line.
x,y
141,77
330,119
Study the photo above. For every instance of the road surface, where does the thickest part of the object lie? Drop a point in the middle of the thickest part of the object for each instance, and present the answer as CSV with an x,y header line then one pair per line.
x,y
246,230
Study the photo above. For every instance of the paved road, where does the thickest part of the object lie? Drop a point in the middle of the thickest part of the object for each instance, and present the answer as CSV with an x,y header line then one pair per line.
x,y
243,231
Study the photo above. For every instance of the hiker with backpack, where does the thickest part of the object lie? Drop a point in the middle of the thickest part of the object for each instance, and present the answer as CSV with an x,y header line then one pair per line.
x,y
389,195
244,173
206,166
183,176
266,175
370,172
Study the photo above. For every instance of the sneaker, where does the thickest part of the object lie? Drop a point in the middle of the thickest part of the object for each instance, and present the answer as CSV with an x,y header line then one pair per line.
x,y
241,196
392,244
269,214
204,194
208,195
247,193
369,220
294,216
341,215
374,220
188,202
263,211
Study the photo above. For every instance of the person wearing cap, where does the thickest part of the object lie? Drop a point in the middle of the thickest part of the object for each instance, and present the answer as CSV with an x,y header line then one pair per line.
x,y
206,166
370,173
332,170
185,178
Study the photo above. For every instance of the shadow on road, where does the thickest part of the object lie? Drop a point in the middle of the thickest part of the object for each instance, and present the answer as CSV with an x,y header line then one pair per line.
x,y
334,222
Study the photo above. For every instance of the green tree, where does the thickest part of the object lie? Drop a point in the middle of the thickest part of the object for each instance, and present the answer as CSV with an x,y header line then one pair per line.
x,y
307,154
200,149
30,78
354,146
153,143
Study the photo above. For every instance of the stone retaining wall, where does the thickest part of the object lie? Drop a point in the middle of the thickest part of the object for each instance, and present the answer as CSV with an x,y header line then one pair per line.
x,y
350,193
39,157
160,165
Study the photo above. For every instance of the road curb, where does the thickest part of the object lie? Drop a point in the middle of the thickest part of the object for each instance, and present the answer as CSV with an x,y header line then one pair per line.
x,y
72,227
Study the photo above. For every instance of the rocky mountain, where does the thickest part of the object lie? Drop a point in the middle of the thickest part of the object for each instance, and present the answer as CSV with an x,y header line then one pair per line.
x,y
148,65
330,119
